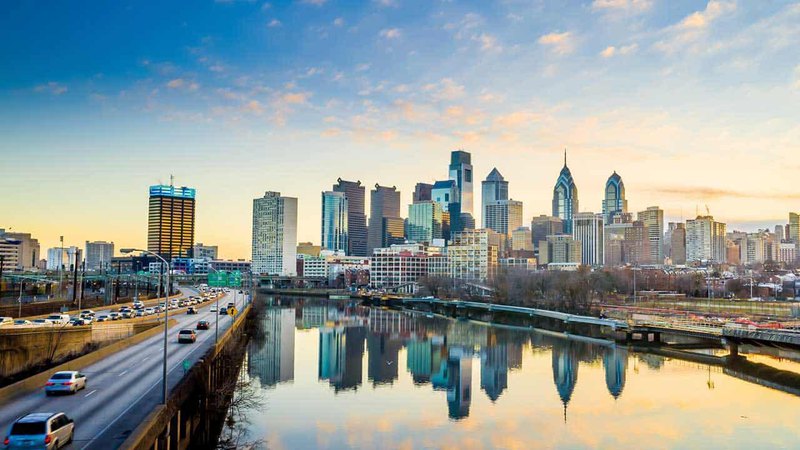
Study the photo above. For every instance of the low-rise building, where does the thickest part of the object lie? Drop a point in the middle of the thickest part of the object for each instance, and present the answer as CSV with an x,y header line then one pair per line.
x,y
401,266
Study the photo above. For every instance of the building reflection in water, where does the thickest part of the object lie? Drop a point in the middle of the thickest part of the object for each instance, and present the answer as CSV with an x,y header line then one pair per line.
x,y
271,358
438,352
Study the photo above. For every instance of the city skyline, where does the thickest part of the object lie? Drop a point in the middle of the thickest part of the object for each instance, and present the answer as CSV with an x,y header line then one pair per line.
x,y
683,100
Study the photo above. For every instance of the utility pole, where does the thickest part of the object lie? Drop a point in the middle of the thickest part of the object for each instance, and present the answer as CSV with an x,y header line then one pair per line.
x,y
61,267
83,281
75,276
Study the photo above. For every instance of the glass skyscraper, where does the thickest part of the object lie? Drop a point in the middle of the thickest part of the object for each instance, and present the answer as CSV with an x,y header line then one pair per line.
x,y
614,201
493,188
170,225
565,197
424,222
356,227
334,221
461,173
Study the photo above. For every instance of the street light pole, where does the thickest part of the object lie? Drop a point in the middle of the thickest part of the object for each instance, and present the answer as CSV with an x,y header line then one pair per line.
x,y
166,318
216,315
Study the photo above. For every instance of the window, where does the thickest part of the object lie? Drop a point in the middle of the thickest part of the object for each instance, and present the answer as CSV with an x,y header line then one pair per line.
x,y
28,428
61,376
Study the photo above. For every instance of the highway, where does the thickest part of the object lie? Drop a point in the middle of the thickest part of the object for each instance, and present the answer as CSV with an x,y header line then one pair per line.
x,y
123,388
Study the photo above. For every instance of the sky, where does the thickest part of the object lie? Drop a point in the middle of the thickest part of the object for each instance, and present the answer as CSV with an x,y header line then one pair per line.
x,y
693,103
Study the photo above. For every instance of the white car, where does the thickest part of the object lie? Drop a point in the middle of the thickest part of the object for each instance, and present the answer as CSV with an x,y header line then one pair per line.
x,y
213,308
149,311
42,322
59,319
68,381
6,321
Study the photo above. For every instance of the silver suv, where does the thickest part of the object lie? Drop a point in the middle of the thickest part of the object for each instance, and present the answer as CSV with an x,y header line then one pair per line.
x,y
47,431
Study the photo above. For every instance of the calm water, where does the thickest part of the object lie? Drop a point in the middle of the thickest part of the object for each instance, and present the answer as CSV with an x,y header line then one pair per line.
x,y
351,377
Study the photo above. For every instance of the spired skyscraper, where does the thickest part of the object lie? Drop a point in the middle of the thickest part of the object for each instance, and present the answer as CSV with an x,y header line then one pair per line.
x,y
461,173
565,197
170,224
614,201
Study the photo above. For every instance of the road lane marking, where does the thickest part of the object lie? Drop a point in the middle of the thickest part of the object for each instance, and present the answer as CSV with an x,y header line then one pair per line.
x,y
123,373
90,393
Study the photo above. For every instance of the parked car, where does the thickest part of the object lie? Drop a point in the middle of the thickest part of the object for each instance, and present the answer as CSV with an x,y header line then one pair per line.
x,y
49,431
187,335
59,319
191,310
22,322
68,381
203,325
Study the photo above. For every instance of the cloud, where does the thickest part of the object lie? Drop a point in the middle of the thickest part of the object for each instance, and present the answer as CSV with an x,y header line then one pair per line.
x,y
712,193
274,23
253,106
180,83
217,68
611,51
446,89
489,43
692,27
390,33
176,83
51,87
559,43
296,98
363,67
796,84
331,132
338,22
392,3
628,6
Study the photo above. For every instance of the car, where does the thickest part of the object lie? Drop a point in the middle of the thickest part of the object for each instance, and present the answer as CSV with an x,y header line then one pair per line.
x,y
187,335
22,322
42,322
191,310
77,322
139,313
149,311
48,431
67,381
115,316
88,312
127,314
231,304
203,325
103,318
223,311
59,319
6,321
138,305
213,308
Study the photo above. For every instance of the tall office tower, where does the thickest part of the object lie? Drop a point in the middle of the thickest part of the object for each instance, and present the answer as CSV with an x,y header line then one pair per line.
x,y
274,235
503,216
445,193
614,201
384,212
705,240
543,226
521,239
587,229
461,173
356,218
565,197
653,219
170,228
98,255
424,222
422,192
205,251
793,233
494,188
678,245
779,233
334,221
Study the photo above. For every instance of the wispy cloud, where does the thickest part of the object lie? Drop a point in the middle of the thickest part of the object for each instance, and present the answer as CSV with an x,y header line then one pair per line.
x,y
390,33
274,23
51,87
314,2
558,43
712,193
693,27
611,51
627,6
489,43
446,89
180,83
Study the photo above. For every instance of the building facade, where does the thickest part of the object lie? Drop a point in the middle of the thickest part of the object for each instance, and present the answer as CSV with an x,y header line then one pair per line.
x,y
565,197
422,192
334,221
460,171
98,255
653,219
472,255
493,188
614,201
20,251
205,251
356,223
521,239
383,218
678,245
705,240
559,249
587,229
170,227
503,216
424,222
543,226
274,249
401,266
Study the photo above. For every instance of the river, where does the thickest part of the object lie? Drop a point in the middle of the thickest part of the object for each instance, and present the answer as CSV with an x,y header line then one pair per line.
x,y
321,374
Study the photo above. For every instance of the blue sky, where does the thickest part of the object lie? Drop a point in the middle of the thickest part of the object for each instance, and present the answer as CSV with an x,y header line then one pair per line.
x,y
692,102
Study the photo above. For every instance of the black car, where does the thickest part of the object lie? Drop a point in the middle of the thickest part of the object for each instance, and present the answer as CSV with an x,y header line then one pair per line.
x,y
203,325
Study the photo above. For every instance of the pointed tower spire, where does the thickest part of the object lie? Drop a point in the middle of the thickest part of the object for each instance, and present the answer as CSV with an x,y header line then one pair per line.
x,y
565,157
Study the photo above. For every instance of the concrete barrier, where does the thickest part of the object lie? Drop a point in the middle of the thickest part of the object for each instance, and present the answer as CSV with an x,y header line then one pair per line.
x,y
35,382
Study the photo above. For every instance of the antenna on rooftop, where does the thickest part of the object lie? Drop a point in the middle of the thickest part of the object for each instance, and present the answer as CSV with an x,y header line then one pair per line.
x,y
171,180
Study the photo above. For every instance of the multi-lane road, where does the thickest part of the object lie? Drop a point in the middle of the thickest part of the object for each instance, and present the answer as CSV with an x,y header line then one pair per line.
x,y
123,388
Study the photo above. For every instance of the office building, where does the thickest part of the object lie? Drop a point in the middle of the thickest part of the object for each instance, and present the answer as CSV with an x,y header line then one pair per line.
x,y
503,216
385,225
334,221
521,239
636,244
494,188
20,251
205,251
61,258
705,240
308,248
653,219
445,193
565,197
275,235
678,245
424,222
787,253
98,255
614,201
587,228
356,224
543,226
779,236
559,249
228,265
422,192
461,172
793,232
170,228
473,255
399,267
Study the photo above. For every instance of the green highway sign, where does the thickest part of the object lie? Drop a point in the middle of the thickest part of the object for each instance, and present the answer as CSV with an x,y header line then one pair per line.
x,y
218,279
235,279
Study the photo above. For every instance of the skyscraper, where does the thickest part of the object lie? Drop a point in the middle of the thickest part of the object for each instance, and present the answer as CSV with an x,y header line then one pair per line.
x,y
356,218
274,249
565,197
503,216
614,201
653,219
543,226
98,255
424,222
588,230
334,221
383,217
461,173
494,188
170,227
422,192
794,228
705,240
678,245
